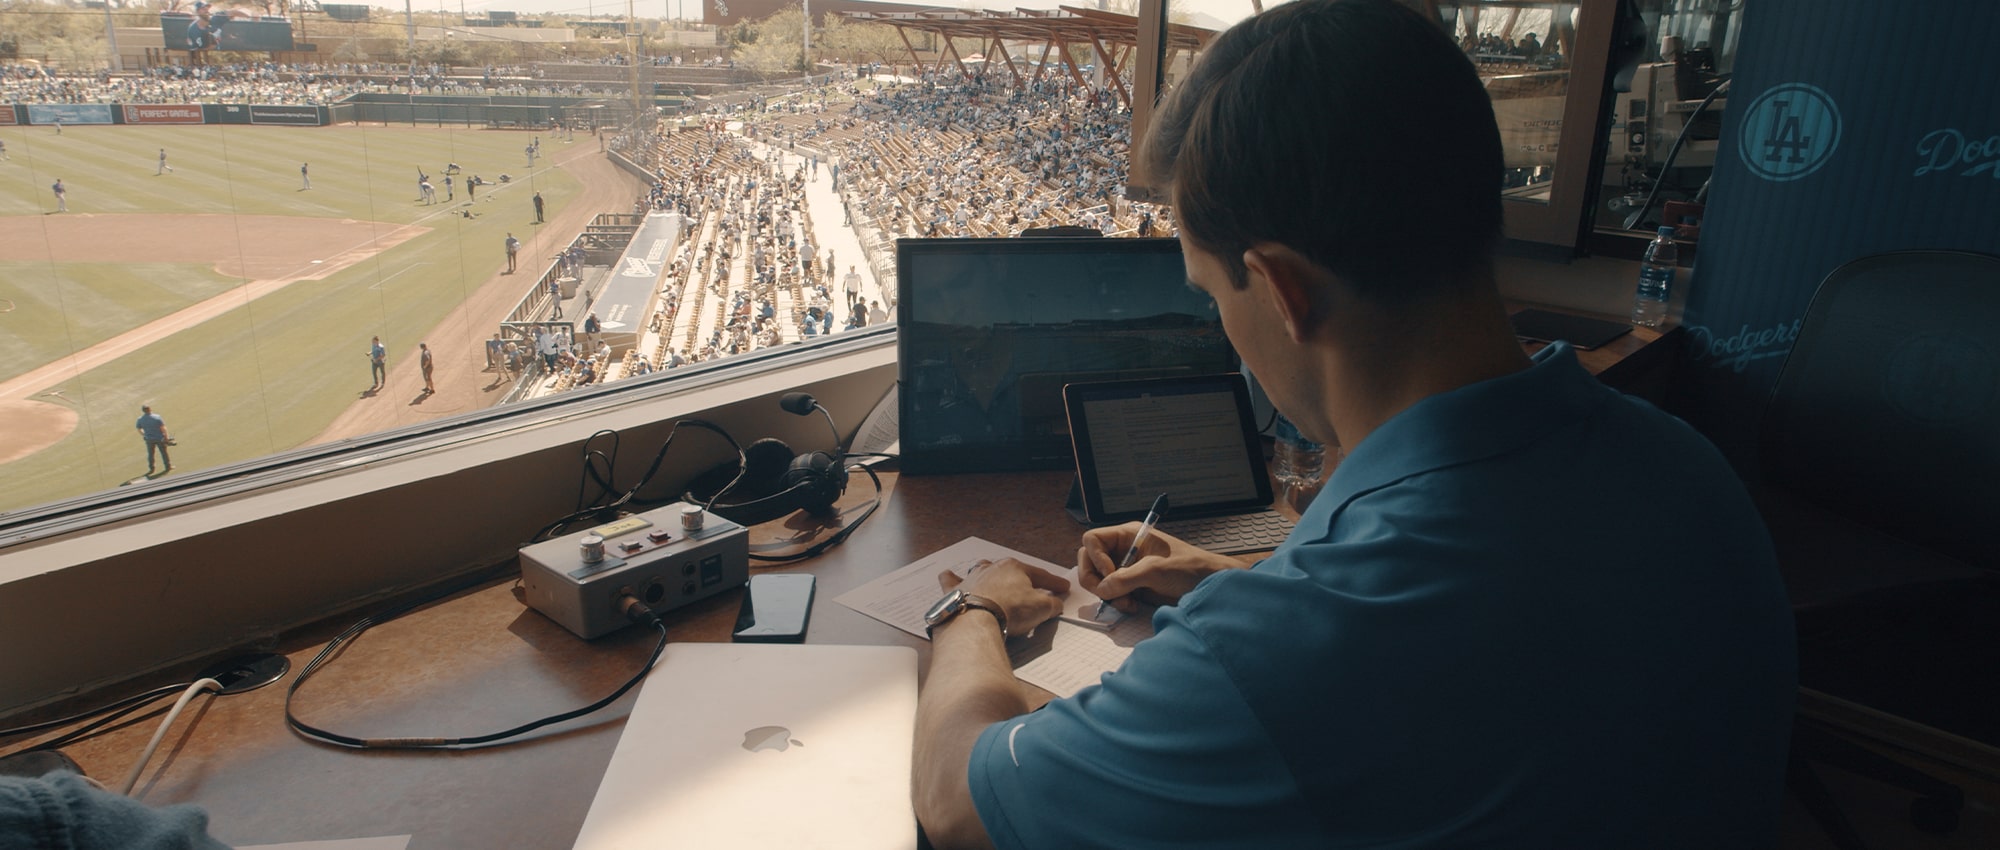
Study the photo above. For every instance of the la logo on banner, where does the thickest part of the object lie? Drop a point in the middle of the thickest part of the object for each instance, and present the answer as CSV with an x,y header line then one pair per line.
x,y
1789,132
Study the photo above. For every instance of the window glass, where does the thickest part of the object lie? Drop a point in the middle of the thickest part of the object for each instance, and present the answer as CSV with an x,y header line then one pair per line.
x,y
1689,48
201,250
1523,52
380,221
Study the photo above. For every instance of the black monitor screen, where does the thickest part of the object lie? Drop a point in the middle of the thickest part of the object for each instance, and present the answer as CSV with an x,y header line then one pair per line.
x,y
989,331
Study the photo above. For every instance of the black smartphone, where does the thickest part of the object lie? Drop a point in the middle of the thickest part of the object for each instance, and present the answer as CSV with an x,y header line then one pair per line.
x,y
775,609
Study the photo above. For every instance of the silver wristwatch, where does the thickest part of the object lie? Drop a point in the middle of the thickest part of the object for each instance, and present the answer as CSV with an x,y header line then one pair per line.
x,y
955,603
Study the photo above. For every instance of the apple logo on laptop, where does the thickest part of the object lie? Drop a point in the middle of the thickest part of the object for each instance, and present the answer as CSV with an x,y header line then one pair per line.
x,y
769,738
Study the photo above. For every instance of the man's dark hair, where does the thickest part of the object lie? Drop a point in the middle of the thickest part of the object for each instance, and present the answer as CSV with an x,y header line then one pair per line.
x,y
1352,131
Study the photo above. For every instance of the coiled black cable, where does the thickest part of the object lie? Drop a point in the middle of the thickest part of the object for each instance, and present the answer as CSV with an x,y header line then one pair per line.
x,y
633,608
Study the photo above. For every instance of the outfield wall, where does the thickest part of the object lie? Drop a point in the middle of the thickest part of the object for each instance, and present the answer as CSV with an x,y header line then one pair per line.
x,y
78,114
380,108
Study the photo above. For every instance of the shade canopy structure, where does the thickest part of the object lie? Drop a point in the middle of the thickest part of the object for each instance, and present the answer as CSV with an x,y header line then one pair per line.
x,y
1113,35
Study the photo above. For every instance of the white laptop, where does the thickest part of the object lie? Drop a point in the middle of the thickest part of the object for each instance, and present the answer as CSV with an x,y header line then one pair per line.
x,y
764,745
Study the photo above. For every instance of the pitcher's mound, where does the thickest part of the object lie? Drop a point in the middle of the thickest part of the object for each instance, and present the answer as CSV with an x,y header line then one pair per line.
x,y
31,426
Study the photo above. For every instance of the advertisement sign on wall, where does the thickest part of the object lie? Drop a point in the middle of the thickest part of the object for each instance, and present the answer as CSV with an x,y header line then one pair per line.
x,y
295,116
172,113
69,113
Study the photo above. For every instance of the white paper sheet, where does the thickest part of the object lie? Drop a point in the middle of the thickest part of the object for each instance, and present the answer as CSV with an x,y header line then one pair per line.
x,y
1062,657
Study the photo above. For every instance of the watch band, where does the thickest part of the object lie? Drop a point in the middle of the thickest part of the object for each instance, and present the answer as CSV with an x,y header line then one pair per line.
x,y
957,601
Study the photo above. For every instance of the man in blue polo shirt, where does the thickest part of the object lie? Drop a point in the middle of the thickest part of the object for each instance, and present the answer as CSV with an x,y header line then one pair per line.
x,y
1526,611
153,430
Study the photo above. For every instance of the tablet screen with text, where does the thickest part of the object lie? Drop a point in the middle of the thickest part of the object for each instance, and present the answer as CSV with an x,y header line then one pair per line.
x,y
1191,438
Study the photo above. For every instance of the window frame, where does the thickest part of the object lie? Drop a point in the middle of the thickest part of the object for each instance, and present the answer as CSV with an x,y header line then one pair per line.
x,y
248,478
1557,226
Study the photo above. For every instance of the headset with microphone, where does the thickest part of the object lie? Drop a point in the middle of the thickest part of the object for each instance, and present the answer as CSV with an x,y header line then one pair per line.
x,y
771,481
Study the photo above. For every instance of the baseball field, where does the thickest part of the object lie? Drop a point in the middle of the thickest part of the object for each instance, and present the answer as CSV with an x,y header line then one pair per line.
x,y
238,303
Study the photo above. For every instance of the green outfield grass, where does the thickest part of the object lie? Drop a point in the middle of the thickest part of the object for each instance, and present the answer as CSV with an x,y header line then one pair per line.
x,y
274,373
86,303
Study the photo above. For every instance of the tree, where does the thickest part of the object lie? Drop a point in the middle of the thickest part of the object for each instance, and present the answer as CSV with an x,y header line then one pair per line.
x,y
74,41
861,42
771,44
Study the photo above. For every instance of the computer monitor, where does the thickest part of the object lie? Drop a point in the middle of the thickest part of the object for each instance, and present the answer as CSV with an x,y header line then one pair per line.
x,y
989,331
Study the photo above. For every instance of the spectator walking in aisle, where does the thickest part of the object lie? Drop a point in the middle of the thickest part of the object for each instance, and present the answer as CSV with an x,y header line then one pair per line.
x,y
425,363
546,343
305,177
555,298
378,364
852,282
591,328
538,208
154,430
164,167
62,196
513,250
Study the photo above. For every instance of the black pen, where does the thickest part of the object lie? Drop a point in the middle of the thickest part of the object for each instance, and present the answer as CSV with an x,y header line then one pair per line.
x,y
1153,516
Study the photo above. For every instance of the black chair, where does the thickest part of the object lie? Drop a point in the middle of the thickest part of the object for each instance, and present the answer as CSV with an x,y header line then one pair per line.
x,y
1881,486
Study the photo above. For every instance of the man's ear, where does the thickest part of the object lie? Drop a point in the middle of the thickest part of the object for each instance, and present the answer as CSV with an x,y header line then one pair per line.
x,y
1290,276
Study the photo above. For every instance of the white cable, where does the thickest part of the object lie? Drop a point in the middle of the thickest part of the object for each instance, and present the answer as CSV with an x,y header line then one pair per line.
x,y
132,779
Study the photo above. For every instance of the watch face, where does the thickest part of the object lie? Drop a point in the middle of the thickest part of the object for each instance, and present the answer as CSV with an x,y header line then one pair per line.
x,y
947,605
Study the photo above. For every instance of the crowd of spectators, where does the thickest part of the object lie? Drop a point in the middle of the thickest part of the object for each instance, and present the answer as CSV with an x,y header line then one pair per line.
x,y
945,155
750,251
939,155
1492,47
274,83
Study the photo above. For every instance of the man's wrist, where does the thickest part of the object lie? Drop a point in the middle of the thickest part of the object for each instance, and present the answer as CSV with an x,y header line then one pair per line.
x,y
989,622
957,602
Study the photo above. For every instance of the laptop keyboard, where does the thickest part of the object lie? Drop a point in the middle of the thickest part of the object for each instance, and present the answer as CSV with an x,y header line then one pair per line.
x,y
1234,534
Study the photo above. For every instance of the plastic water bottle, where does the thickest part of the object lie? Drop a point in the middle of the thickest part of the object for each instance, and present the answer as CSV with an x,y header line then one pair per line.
x,y
1656,280
1299,463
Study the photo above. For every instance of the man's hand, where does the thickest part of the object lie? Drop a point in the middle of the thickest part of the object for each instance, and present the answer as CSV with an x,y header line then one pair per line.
x,y
1029,594
1166,570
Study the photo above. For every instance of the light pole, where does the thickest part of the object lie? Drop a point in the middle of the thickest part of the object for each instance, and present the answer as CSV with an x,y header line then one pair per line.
x,y
410,23
111,36
806,39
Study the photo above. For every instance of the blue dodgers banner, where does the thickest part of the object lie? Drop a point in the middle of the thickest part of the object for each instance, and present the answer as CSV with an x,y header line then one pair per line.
x,y
1854,128
69,113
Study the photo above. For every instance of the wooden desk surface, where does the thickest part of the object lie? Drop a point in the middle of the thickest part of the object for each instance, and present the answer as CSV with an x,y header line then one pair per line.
x,y
479,661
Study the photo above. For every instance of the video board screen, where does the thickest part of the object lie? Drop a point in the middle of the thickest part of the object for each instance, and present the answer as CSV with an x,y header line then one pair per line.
x,y
210,28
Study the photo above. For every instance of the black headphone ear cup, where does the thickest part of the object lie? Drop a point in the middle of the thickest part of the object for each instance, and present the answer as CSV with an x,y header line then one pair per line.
x,y
765,465
821,480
